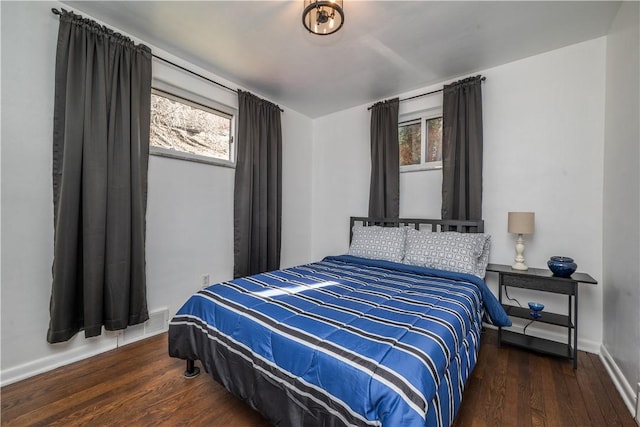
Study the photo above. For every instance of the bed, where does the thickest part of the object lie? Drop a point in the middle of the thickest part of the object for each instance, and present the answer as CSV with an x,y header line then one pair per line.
x,y
386,334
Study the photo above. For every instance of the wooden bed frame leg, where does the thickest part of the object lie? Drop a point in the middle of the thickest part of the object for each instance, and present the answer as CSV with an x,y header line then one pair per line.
x,y
192,370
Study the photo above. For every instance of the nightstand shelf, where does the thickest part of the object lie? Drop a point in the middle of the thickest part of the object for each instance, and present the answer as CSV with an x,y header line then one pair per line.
x,y
537,344
551,318
543,280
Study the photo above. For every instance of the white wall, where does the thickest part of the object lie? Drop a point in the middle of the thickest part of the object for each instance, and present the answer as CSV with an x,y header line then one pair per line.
x,y
341,176
621,344
544,144
189,211
296,189
426,183
341,166
543,147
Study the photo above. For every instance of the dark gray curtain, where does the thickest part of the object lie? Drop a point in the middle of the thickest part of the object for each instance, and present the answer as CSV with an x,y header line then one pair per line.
x,y
384,191
100,155
462,150
258,187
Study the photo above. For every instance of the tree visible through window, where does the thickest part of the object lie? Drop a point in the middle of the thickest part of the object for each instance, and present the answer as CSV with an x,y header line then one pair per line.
x,y
187,127
420,143
410,137
434,140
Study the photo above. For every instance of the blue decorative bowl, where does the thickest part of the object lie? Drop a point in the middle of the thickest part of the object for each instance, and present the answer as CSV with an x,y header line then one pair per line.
x,y
536,308
562,266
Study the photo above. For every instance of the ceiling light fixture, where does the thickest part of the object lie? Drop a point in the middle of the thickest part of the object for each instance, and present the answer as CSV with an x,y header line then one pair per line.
x,y
322,17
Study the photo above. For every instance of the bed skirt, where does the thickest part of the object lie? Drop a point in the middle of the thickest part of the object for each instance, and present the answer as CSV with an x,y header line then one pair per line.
x,y
287,401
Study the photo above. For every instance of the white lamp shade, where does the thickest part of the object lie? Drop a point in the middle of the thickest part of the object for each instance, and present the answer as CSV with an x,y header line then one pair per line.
x,y
521,222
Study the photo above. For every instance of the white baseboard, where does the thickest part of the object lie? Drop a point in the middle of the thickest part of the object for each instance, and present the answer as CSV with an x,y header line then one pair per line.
x,y
157,324
57,360
624,388
638,404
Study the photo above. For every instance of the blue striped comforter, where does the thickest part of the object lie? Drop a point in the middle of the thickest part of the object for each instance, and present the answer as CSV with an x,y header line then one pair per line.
x,y
368,342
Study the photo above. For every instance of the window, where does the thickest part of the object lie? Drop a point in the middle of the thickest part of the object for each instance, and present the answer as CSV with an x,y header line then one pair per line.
x,y
189,130
420,141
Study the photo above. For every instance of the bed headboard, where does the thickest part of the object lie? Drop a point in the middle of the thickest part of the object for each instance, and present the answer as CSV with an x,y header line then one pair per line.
x,y
436,225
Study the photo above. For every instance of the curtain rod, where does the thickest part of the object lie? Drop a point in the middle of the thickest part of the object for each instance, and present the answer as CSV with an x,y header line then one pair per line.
x,y
425,94
194,73
200,75
57,12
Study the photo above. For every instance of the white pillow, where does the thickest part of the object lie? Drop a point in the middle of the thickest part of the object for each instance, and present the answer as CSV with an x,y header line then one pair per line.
x,y
452,251
374,242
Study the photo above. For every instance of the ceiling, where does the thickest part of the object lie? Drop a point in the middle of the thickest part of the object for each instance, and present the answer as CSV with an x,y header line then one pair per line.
x,y
385,47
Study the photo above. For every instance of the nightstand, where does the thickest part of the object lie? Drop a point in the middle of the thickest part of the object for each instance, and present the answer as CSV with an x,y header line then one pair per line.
x,y
542,280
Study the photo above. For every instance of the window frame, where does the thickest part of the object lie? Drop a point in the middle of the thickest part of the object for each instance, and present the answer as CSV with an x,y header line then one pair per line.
x,y
174,93
421,116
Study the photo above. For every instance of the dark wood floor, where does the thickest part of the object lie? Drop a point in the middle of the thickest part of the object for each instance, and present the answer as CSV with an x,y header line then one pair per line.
x,y
139,385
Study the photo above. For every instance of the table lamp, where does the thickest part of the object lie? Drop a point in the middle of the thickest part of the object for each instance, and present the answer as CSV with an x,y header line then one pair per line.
x,y
521,223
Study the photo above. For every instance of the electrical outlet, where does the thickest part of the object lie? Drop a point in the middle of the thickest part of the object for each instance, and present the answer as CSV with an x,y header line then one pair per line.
x,y
205,280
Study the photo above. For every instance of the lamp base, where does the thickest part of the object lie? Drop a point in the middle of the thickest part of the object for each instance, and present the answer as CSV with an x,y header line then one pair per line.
x,y
519,261
520,266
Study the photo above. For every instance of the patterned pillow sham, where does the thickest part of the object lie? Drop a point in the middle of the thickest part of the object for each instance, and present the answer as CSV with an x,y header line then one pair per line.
x,y
374,242
452,251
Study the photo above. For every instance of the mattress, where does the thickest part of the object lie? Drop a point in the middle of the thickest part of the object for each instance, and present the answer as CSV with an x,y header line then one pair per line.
x,y
343,341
